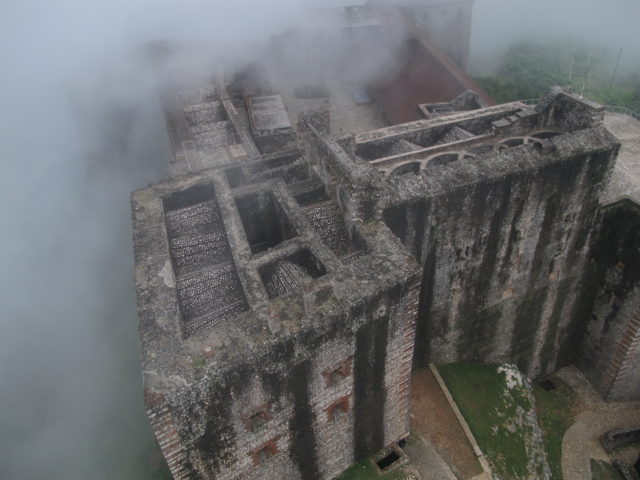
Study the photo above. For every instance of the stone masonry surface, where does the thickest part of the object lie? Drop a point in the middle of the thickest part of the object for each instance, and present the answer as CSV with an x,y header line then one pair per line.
x,y
289,274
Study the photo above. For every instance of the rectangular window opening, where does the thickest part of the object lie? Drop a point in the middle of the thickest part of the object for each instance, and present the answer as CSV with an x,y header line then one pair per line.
x,y
547,384
338,374
265,452
338,409
258,418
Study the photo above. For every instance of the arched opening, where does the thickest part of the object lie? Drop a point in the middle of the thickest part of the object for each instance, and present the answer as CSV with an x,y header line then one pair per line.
x,y
407,168
513,142
443,159
480,149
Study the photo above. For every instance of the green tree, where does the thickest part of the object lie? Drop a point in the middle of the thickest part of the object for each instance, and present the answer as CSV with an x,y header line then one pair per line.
x,y
528,69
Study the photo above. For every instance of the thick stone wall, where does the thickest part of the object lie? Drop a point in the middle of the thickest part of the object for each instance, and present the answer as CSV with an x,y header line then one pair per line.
x,y
503,243
610,355
309,408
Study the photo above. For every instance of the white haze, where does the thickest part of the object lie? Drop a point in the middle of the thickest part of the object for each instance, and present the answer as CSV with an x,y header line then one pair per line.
x,y
497,24
80,127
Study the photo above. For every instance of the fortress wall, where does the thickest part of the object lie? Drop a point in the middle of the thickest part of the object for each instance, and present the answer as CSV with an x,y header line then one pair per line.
x,y
503,243
304,407
610,354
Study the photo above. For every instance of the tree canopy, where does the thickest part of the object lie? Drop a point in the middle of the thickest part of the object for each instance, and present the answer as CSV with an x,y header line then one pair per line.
x,y
528,69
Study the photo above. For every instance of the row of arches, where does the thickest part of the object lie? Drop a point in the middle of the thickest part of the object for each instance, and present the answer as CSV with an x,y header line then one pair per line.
x,y
413,167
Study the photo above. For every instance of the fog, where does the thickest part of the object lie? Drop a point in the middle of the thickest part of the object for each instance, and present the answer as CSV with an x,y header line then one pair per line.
x,y
497,24
80,128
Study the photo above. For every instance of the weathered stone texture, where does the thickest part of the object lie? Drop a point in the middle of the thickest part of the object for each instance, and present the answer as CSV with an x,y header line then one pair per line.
x,y
501,227
310,374
317,422
610,354
284,297
502,256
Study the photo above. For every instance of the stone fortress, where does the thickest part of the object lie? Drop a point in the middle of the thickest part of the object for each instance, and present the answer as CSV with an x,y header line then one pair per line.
x,y
324,232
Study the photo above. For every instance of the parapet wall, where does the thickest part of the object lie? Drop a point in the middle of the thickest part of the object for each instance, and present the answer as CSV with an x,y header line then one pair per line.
x,y
283,297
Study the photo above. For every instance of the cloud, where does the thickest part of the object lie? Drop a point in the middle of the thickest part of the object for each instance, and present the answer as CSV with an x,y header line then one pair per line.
x,y
499,23
80,128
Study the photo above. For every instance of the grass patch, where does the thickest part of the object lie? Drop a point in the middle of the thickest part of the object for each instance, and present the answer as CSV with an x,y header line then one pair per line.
x,y
604,471
555,409
477,392
365,470
360,471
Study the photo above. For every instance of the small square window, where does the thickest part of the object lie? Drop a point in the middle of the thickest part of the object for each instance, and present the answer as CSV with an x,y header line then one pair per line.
x,y
258,418
264,452
338,409
337,374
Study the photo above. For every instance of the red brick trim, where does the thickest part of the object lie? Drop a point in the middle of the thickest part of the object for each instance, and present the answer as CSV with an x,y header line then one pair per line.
x,y
342,403
270,447
257,417
343,369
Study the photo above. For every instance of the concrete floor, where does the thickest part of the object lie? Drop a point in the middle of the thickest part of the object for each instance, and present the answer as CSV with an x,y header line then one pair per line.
x,y
428,463
436,426
581,441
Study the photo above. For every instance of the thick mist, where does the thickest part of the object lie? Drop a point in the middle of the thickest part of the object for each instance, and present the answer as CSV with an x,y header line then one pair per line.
x,y
80,128
497,24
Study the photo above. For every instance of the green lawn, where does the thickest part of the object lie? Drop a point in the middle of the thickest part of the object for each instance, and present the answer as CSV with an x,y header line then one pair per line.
x,y
555,415
492,415
365,470
360,471
475,388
